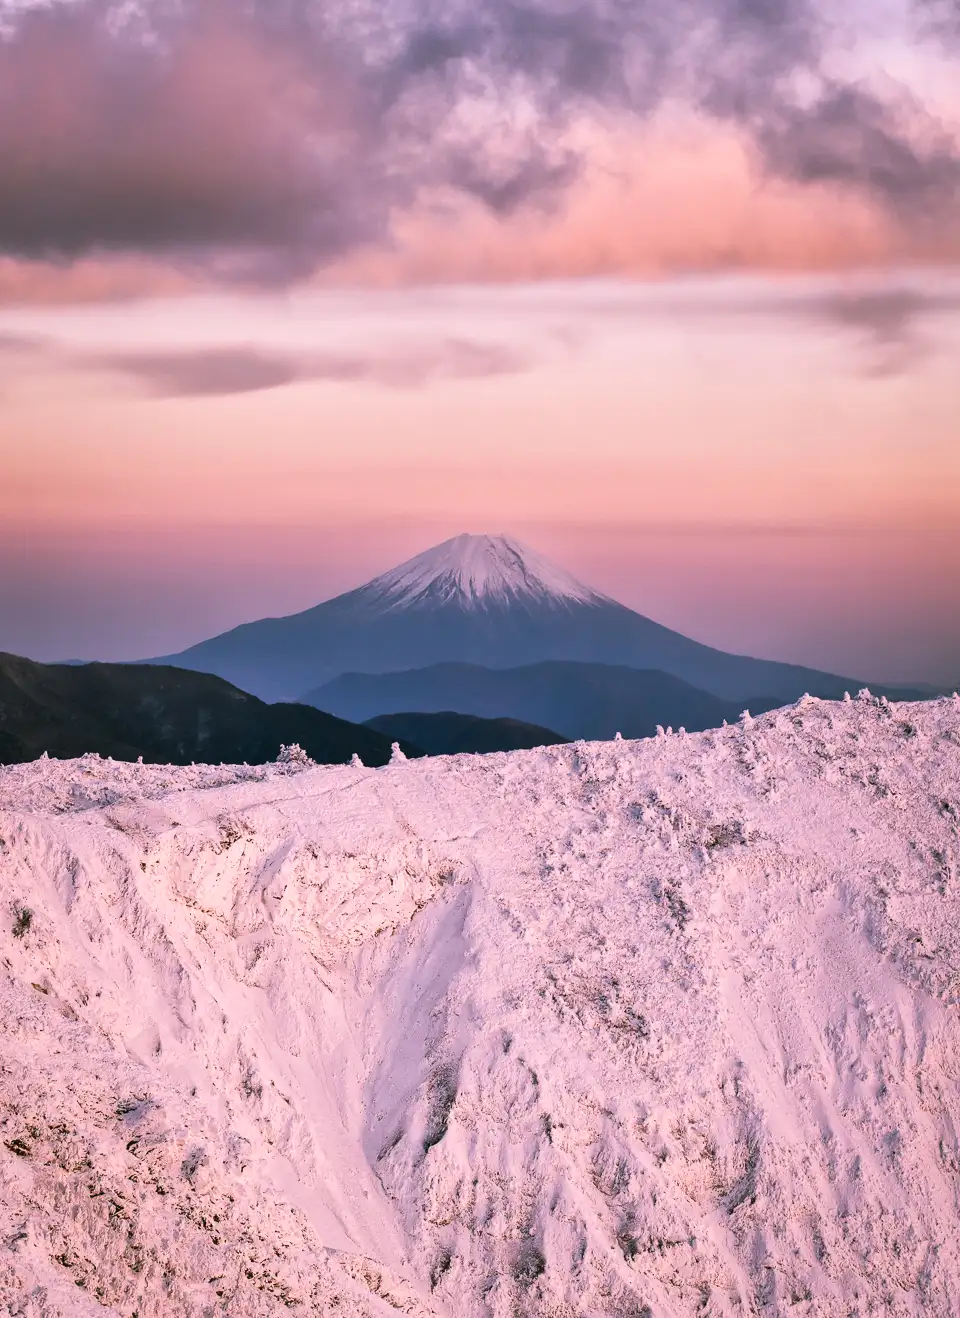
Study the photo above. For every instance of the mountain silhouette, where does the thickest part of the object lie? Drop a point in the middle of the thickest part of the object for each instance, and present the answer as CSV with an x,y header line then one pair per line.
x,y
484,600
164,714
588,701
449,733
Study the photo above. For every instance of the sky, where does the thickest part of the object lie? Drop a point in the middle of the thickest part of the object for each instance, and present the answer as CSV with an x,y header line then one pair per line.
x,y
290,292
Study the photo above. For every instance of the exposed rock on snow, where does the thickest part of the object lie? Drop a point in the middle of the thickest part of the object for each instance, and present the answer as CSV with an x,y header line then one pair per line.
x,y
667,1028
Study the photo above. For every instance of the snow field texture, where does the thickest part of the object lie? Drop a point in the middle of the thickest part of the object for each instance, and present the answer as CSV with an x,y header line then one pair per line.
x,y
618,1029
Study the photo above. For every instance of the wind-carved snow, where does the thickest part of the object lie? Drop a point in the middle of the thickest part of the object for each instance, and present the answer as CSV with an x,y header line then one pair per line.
x,y
479,570
636,1028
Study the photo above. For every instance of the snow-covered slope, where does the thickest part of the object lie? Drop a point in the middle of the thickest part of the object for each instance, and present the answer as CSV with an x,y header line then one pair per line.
x,y
478,571
657,1028
485,600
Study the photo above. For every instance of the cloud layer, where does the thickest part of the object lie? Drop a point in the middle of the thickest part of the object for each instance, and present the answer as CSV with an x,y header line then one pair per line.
x,y
222,370
216,372
268,141
216,137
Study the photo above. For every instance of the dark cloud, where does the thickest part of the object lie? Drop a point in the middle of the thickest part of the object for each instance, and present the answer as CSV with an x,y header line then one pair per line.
x,y
892,322
222,135
897,324
217,372
849,137
768,74
208,373
264,139
942,17
887,314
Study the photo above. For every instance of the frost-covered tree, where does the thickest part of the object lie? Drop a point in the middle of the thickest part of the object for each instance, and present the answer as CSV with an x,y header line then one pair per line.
x,y
294,756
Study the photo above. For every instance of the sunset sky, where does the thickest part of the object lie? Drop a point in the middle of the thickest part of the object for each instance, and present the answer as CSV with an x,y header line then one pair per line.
x,y
290,292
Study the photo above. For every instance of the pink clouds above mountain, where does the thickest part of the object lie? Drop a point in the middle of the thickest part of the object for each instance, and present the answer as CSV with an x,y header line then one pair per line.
x,y
240,142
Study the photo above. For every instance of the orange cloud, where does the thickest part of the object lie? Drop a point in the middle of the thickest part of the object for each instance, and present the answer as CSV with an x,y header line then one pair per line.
x,y
651,205
93,279
261,144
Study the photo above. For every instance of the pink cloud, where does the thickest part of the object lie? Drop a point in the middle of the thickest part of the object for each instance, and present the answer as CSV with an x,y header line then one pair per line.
x,y
507,141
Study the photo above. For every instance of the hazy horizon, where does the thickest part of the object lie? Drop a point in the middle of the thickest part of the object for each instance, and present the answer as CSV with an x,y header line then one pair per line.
x,y
681,576
290,294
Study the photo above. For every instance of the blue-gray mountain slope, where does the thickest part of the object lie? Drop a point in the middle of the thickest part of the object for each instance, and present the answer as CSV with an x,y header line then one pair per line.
x,y
589,701
482,600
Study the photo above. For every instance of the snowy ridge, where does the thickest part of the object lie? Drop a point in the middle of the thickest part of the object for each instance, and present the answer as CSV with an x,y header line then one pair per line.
x,y
633,1028
479,570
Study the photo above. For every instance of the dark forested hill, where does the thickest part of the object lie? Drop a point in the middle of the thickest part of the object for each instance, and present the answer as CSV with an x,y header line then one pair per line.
x,y
448,733
167,715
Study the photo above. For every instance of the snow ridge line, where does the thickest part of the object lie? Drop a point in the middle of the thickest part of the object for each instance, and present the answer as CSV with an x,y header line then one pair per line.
x,y
603,1029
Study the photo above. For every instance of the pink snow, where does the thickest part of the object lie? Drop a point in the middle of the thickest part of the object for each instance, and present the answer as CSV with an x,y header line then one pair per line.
x,y
667,1027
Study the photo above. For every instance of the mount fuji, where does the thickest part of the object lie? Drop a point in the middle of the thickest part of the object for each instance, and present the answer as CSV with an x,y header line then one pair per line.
x,y
485,600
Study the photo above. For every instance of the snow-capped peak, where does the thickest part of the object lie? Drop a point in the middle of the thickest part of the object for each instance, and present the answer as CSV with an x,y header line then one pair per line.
x,y
480,570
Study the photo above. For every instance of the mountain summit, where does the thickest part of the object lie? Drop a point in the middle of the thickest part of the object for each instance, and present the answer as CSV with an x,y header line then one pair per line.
x,y
478,571
483,600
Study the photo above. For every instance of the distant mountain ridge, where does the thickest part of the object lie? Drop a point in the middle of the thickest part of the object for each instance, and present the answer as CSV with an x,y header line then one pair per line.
x,y
167,715
580,701
489,601
449,733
